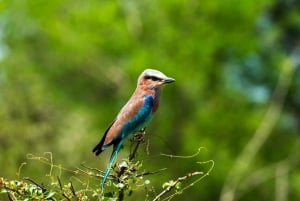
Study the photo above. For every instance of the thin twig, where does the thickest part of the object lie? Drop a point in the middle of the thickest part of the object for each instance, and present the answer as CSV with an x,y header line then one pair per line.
x,y
149,173
92,171
73,191
35,183
192,156
59,182
121,194
10,190
66,197
138,138
197,180
11,197
172,184
90,168
132,155
61,188
89,173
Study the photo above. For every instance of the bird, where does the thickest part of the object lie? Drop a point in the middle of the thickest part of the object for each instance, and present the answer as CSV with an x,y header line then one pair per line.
x,y
134,115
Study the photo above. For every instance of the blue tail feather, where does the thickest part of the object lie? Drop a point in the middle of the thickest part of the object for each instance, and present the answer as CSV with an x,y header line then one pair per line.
x,y
111,161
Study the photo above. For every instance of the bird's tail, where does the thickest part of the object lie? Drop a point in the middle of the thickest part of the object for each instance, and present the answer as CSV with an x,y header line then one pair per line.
x,y
111,161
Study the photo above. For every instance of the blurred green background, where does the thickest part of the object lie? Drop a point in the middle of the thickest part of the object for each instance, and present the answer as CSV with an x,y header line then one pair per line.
x,y
67,67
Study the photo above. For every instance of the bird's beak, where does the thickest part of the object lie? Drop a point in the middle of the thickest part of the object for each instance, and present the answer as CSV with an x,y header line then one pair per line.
x,y
168,80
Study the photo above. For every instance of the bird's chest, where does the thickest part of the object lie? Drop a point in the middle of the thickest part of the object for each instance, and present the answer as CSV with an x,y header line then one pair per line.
x,y
143,116
155,105
156,97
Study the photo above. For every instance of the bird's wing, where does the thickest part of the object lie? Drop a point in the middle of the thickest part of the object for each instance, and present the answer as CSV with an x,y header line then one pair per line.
x,y
131,117
98,148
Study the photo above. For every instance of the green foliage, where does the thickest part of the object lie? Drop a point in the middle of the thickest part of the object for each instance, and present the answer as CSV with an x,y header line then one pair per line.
x,y
21,190
127,178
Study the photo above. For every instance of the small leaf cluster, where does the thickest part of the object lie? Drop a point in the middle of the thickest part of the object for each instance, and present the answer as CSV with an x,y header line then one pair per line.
x,y
21,190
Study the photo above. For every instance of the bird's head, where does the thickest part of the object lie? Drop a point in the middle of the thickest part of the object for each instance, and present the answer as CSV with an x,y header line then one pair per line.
x,y
154,79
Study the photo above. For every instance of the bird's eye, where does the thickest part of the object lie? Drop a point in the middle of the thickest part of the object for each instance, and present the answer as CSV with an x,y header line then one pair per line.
x,y
153,78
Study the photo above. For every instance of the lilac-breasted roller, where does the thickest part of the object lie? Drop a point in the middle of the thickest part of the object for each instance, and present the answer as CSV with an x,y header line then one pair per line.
x,y
135,115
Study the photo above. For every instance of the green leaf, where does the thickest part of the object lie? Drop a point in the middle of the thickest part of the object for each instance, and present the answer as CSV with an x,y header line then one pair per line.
x,y
178,185
50,195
